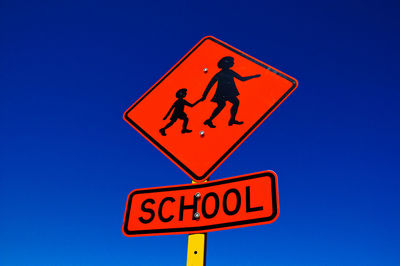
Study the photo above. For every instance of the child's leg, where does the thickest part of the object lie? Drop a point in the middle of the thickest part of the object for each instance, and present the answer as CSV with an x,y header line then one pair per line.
x,y
169,124
185,123
173,120
162,130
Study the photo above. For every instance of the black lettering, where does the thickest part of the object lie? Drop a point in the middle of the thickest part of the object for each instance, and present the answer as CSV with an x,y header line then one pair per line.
x,y
187,207
203,205
152,214
248,208
165,220
225,203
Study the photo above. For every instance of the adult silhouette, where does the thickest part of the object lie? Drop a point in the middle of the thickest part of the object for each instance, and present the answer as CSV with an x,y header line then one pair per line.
x,y
226,90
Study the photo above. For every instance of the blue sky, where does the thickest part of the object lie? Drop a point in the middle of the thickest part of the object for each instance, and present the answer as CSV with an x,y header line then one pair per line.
x,y
69,69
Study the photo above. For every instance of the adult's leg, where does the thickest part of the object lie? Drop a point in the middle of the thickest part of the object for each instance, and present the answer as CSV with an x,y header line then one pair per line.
x,y
234,109
218,109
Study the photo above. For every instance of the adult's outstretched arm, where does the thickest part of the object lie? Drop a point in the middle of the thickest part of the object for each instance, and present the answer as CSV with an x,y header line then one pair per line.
x,y
236,75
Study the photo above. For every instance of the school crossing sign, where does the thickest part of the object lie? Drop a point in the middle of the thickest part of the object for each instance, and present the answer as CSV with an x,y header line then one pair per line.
x,y
197,114
203,207
205,106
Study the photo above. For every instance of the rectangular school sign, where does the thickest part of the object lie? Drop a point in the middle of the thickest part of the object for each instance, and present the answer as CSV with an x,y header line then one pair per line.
x,y
197,208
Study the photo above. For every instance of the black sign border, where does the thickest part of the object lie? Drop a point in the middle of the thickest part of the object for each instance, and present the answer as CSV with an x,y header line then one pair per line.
x,y
237,143
214,227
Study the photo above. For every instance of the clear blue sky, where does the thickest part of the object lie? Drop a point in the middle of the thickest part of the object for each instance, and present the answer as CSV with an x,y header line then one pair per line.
x,y
69,69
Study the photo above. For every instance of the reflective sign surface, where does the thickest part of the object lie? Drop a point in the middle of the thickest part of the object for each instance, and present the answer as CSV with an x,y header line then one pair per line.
x,y
207,105
194,208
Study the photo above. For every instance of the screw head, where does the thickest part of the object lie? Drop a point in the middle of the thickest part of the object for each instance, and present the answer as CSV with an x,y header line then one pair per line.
x,y
196,215
197,195
205,70
202,133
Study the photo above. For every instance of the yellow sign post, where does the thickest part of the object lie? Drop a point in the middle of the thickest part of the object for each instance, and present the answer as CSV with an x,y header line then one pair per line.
x,y
196,253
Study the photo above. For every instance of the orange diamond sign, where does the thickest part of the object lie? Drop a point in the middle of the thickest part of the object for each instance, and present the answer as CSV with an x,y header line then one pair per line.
x,y
202,109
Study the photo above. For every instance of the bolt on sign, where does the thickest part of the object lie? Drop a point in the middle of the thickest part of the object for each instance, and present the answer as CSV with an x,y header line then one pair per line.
x,y
205,106
197,208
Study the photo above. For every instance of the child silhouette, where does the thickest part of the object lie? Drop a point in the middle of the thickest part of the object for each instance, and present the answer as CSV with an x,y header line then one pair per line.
x,y
226,90
178,113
